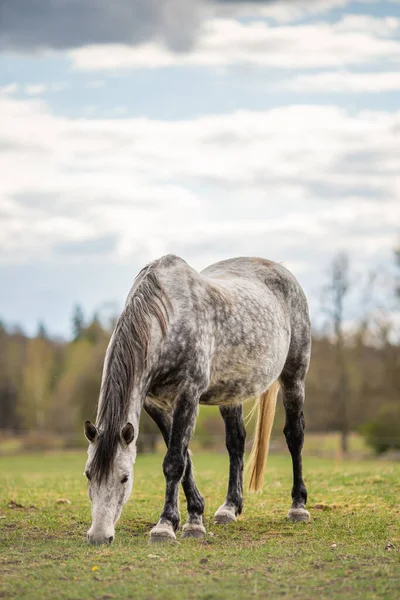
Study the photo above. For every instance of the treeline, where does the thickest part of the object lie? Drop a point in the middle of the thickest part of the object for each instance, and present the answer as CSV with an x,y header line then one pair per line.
x,y
48,387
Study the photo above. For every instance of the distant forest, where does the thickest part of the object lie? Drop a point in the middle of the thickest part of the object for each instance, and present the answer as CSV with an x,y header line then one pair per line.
x,y
48,387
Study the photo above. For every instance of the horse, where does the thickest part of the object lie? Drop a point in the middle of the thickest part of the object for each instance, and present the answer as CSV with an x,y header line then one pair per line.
x,y
236,331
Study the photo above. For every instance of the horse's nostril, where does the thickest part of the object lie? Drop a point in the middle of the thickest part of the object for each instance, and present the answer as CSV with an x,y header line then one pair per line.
x,y
110,539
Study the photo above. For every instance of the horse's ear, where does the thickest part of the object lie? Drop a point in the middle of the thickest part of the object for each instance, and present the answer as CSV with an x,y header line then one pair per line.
x,y
90,431
128,433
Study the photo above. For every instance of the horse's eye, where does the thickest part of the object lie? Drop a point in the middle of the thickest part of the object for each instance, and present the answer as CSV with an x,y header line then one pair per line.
x,y
87,475
125,479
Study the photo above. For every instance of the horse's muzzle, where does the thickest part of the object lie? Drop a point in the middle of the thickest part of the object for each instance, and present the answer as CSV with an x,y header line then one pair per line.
x,y
96,540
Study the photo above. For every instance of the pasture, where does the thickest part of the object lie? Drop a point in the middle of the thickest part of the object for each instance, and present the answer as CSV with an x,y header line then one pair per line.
x,y
350,549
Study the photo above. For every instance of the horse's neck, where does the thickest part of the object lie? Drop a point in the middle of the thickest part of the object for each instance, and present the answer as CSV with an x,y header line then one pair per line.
x,y
135,402
135,406
135,409
136,399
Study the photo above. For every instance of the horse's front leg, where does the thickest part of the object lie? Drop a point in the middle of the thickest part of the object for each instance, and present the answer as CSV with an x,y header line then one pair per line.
x,y
195,505
175,463
195,502
235,442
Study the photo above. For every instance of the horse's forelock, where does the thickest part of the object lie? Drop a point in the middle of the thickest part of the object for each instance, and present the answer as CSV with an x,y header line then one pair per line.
x,y
104,455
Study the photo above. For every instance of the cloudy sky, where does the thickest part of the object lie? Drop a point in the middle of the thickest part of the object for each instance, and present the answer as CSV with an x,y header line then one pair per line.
x,y
210,129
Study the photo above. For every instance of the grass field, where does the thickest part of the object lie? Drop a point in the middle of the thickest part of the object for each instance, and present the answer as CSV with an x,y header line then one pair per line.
x,y
350,549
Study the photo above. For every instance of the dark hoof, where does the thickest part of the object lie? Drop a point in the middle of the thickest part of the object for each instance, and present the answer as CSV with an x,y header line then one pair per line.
x,y
192,530
298,514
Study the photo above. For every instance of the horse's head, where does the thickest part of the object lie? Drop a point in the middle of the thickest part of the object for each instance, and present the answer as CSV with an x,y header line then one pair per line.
x,y
109,470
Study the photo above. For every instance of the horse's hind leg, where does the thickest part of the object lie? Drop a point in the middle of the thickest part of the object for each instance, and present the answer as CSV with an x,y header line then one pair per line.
x,y
195,503
235,440
293,400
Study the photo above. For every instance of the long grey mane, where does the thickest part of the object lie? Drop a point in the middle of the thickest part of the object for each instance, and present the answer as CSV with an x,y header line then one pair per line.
x,y
126,360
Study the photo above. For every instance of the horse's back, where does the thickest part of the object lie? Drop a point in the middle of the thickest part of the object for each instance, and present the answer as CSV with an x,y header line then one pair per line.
x,y
274,276
263,284
241,298
179,279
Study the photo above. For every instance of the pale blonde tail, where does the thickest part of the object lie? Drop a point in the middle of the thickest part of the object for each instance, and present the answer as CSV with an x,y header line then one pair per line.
x,y
258,456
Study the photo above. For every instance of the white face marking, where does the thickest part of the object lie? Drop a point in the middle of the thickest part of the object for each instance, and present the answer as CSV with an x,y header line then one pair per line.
x,y
109,497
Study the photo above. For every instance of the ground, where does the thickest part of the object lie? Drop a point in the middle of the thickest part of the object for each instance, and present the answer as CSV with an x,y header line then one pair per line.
x,y
349,550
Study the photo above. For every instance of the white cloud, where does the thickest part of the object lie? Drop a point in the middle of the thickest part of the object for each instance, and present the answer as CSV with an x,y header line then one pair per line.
x,y
352,40
89,110
286,11
283,182
120,110
283,11
10,88
95,84
343,81
34,89
37,89
58,86
382,27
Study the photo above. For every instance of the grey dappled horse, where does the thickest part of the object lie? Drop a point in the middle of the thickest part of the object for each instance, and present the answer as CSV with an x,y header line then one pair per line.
x,y
219,337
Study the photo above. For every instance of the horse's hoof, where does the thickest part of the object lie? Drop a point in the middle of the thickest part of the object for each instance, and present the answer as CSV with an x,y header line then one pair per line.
x,y
163,533
224,515
193,530
298,514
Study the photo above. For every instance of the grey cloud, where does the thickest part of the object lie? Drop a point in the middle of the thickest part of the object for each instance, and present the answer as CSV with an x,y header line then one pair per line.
x,y
280,245
64,203
9,145
224,139
366,228
365,162
34,25
101,245
35,199
61,24
337,190
325,188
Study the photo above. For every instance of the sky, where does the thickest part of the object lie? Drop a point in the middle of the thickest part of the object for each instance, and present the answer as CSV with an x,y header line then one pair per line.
x,y
208,129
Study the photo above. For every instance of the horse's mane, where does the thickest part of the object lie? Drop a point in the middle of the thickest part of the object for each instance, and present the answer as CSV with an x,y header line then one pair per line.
x,y
126,359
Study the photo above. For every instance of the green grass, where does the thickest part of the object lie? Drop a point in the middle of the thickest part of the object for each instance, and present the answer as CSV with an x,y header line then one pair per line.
x,y
323,444
44,554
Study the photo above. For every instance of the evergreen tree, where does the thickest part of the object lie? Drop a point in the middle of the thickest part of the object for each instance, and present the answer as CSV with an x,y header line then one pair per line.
x,y
78,323
41,331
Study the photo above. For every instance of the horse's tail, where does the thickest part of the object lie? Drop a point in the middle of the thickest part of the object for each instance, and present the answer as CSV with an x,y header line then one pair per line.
x,y
266,404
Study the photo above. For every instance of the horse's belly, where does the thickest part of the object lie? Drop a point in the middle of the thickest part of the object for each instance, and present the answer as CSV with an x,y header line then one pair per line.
x,y
235,386
228,392
236,376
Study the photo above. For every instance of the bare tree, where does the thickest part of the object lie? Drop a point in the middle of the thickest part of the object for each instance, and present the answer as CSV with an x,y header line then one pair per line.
x,y
397,279
335,293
